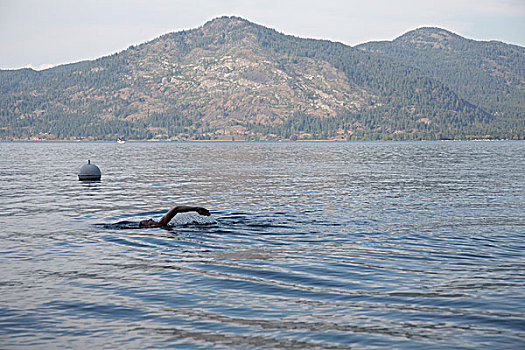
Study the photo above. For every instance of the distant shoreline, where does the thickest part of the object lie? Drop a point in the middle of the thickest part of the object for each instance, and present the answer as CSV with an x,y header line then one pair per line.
x,y
254,141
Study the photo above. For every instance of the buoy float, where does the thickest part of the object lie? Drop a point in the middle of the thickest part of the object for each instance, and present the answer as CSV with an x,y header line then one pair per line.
x,y
89,172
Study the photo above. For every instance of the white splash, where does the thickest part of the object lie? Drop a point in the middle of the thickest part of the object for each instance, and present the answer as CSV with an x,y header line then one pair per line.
x,y
191,218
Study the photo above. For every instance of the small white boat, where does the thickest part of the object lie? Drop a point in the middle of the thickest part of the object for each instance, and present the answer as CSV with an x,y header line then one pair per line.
x,y
119,140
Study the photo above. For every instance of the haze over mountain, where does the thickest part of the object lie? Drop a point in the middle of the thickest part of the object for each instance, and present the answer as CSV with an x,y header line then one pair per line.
x,y
233,79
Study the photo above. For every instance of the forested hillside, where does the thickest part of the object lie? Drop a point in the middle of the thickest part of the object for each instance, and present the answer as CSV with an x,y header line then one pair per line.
x,y
488,74
232,79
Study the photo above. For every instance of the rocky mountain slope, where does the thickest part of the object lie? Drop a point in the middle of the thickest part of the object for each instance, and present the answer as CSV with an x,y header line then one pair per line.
x,y
233,79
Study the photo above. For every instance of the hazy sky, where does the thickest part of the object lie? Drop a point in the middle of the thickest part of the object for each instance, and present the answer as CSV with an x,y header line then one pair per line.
x,y
41,33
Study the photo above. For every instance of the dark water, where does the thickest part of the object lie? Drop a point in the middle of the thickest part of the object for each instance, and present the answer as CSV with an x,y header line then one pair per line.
x,y
310,245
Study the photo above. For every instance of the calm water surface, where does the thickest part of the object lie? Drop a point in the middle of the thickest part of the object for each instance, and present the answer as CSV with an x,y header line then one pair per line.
x,y
309,246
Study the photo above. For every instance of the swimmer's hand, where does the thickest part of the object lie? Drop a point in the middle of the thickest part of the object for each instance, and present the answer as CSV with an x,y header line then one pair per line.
x,y
203,211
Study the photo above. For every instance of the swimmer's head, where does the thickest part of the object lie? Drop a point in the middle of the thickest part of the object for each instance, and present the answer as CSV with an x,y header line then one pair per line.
x,y
149,222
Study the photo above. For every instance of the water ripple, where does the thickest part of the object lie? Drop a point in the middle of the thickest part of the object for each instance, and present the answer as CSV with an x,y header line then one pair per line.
x,y
309,246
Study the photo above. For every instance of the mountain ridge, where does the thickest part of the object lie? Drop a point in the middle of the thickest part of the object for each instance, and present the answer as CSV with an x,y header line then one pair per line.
x,y
489,63
234,79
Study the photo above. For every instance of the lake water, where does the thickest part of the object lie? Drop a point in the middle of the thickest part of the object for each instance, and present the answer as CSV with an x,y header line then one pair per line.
x,y
309,246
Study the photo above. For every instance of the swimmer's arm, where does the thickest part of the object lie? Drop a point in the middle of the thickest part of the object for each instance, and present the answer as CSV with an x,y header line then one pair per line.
x,y
181,209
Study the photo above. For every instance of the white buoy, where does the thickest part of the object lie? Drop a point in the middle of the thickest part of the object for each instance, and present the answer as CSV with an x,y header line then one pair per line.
x,y
89,172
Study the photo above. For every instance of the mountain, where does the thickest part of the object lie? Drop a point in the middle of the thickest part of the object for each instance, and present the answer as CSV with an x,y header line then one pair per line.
x,y
233,79
488,74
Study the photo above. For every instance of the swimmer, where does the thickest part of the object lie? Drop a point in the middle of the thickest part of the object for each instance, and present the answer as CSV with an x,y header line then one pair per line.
x,y
169,215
